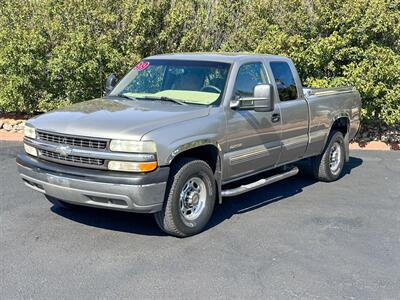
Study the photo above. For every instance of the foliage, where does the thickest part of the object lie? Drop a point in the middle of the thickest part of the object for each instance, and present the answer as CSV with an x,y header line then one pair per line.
x,y
55,52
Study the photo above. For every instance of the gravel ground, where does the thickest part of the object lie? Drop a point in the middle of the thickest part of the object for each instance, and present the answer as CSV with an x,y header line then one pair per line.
x,y
294,239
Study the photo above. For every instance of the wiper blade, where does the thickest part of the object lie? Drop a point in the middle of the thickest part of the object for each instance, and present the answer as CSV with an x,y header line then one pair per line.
x,y
162,98
123,96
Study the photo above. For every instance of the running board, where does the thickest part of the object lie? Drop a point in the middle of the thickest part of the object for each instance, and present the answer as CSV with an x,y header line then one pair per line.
x,y
257,184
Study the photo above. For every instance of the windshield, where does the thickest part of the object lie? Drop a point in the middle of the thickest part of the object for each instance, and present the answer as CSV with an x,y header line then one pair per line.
x,y
196,82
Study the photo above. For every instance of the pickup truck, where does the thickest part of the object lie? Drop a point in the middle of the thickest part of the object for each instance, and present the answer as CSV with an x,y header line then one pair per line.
x,y
181,131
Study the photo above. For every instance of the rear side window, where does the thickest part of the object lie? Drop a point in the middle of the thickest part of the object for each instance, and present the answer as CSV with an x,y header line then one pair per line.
x,y
284,81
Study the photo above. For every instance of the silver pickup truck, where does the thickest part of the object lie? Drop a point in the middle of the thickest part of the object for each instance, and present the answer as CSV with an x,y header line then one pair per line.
x,y
181,131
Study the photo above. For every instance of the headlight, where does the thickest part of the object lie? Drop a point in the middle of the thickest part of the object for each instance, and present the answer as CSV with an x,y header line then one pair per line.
x,y
133,146
132,166
29,132
30,150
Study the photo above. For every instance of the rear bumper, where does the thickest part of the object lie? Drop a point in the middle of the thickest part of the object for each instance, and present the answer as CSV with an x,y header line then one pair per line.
x,y
113,190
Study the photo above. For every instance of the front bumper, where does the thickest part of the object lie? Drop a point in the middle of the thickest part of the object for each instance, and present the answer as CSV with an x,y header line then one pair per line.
x,y
106,189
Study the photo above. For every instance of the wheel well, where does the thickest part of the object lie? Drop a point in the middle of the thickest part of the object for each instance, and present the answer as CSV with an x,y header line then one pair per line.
x,y
341,125
208,153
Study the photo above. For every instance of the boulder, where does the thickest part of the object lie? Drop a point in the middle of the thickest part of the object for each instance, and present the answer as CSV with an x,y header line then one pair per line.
x,y
19,127
7,127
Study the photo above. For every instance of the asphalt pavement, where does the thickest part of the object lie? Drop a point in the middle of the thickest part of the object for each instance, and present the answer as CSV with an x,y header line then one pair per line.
x,y
294,239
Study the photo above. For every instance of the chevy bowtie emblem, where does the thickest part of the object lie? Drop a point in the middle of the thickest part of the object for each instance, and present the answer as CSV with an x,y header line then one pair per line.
x,y
64,150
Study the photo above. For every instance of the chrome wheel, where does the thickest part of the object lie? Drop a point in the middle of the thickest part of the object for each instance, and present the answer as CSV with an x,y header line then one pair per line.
x,y
335,158
193,198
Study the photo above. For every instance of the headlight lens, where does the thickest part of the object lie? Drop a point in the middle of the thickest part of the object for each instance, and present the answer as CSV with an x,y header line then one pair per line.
x,y
132,166
30,150
29,132
133,146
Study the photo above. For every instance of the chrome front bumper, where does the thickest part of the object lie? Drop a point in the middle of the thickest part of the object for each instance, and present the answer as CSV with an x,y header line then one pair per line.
x,y
113,190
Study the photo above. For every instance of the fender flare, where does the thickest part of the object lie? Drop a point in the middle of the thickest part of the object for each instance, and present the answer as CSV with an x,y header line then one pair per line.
x,y
199,143
346,137
191,145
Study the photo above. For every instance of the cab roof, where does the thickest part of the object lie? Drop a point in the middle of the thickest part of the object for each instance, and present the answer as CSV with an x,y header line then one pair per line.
x,y
217,57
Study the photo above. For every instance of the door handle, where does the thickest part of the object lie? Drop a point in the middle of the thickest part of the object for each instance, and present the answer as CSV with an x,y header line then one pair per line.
x,y
275,118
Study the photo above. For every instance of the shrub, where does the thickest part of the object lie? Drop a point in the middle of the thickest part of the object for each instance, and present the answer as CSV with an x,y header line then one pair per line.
x,y
57,52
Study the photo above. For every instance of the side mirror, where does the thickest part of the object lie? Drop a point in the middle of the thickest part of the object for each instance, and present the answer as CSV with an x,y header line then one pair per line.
x,y
262,99
111,82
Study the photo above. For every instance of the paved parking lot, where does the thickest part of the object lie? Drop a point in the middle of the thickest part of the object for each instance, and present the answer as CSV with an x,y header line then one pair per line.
x,y
295,239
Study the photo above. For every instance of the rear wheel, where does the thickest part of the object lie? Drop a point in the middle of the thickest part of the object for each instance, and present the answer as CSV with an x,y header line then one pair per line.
x,y
328,166
190,198
59,203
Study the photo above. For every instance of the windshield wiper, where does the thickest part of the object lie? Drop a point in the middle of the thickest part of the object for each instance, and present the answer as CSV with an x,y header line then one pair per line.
x,y
162,98
123,96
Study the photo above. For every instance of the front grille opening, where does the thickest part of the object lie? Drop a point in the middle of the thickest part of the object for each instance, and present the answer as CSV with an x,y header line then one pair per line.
x,y
75,141
54,156
108,201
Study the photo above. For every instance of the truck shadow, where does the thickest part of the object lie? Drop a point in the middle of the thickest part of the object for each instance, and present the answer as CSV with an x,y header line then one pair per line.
x,y
145,224
272,193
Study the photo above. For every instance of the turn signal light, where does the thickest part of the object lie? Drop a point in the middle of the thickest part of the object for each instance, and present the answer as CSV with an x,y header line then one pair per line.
x,y
127,166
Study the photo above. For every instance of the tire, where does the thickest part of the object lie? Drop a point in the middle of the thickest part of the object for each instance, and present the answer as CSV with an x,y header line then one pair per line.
x,y
191,183
59,203
328,166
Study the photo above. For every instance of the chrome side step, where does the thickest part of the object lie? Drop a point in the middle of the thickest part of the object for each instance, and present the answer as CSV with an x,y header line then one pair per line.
x,y
259,183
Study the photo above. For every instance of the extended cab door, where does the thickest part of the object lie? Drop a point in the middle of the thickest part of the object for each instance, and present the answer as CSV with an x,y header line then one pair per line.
x,y
293,109
253,138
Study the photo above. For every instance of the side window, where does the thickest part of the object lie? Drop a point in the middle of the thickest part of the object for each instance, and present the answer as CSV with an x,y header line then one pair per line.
x,y
249,75
284,81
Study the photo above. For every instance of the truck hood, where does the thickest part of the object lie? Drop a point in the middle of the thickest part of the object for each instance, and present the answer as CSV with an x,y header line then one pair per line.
x,y
117,119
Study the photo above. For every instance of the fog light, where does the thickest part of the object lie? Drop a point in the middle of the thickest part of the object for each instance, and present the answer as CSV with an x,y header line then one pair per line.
x,y
30,150
127,166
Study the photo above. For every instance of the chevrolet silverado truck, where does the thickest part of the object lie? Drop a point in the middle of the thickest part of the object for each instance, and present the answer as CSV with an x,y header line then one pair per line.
x,y
181,131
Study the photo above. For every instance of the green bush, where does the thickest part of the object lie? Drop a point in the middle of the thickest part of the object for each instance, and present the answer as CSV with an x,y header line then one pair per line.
x,y
55,52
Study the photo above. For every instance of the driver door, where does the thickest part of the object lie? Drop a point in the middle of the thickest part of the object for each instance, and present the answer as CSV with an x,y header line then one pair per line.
x,y
253,137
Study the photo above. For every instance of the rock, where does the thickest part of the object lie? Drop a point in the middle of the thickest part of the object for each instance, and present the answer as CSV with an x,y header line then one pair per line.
x,y
16,122
12,122
19,127
7,127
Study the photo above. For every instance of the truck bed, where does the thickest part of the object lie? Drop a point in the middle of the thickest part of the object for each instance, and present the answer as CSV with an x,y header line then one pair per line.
x,y
328,91
326,104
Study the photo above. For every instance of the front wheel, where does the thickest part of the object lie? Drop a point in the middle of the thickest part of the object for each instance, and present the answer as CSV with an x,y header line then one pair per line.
x,y
328,166
190,198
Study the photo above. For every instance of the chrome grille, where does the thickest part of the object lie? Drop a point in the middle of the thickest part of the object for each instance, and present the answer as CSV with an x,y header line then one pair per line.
x,y
75,141
72,159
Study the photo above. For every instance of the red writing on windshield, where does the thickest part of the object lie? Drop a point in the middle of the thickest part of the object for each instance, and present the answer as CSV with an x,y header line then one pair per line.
x,y
141,66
